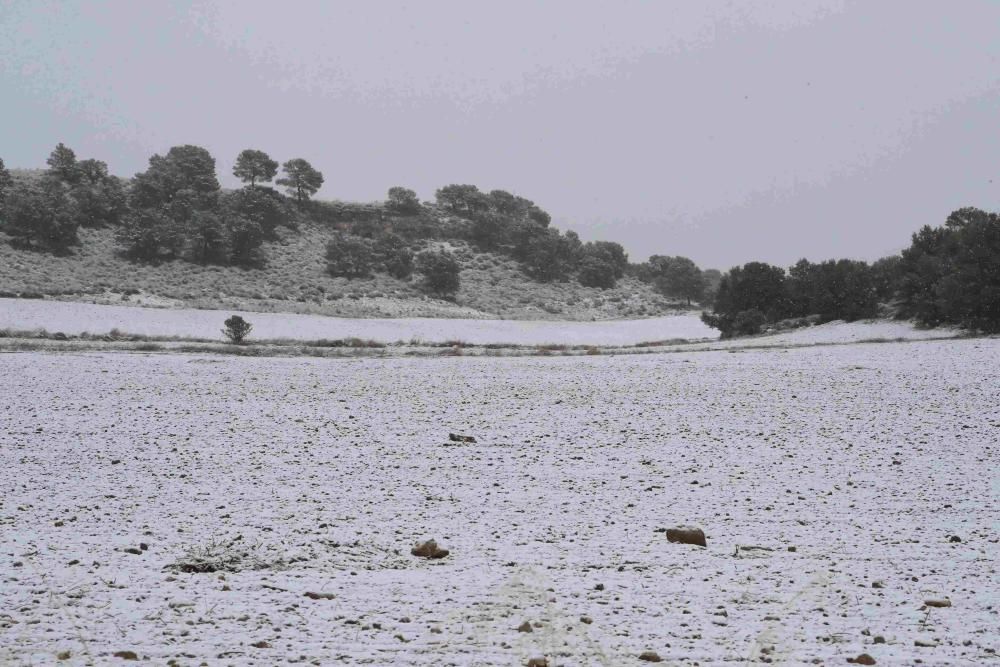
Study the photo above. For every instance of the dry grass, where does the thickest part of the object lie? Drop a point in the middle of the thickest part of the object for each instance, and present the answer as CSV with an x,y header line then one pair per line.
x,y
226,556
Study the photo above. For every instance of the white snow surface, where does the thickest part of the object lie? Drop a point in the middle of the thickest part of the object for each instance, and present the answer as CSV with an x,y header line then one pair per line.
x,y
76,318
865,458
836,332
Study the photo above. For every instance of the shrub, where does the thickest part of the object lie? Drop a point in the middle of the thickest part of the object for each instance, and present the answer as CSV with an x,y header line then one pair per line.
x,y
440,270
402,201
595,272
236,329
349,256
748,323
41,216
394,255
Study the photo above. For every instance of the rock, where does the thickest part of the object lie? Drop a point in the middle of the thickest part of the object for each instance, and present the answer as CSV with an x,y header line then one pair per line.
x,y
319,596
538,662
599,587
650,656
455,437
64,655
863,659
687,535
954,538
126,655
525,627
878,584
879,639
792,549
429,549
938,602
586,620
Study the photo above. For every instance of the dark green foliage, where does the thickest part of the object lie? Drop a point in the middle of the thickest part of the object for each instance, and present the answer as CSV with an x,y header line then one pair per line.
x,y
490,229
753,287
207,236
440,270
266,207
92,171
97,198
885,277
40,216
184,169
834,290
301,180
349,256
539,216
63,165
236,329
550,255
100,199
6,181
245,237
149,234
177,210
465,200
253,166
677,277
748,323
393,254
711,278
402,201
595,271
951,274
601,264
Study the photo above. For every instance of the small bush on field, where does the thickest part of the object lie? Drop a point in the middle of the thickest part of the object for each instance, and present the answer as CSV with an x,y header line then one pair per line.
x,y
237,329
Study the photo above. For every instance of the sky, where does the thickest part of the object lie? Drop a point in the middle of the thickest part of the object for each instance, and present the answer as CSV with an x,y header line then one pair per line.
x,y
726,132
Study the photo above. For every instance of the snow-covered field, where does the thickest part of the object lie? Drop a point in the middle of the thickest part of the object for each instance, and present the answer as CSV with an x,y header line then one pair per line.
x,y
836,332
76,318
864,459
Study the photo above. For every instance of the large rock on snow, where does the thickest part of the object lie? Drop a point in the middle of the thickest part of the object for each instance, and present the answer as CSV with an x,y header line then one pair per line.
x,y
429,549
687,535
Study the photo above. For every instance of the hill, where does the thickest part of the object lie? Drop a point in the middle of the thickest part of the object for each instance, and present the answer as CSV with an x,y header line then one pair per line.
x,y
294,279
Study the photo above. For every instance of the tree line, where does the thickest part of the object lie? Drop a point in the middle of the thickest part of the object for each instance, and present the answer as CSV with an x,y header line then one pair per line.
x,y
949,275
176,209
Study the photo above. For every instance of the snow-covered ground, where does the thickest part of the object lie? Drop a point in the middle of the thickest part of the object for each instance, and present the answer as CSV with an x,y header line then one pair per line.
x,y
76,318
836,332
864,459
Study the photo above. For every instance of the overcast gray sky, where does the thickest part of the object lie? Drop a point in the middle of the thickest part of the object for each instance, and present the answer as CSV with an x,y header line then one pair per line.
x,y
724,131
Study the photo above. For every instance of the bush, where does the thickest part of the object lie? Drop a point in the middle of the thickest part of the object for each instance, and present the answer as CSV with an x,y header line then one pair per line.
x,y
394,256
402,201
596,272
236,329
41,216
951,274
748,323
440,270
349,257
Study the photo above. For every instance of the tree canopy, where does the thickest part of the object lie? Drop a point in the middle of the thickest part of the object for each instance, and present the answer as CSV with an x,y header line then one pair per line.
x,y
253,166
300,180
